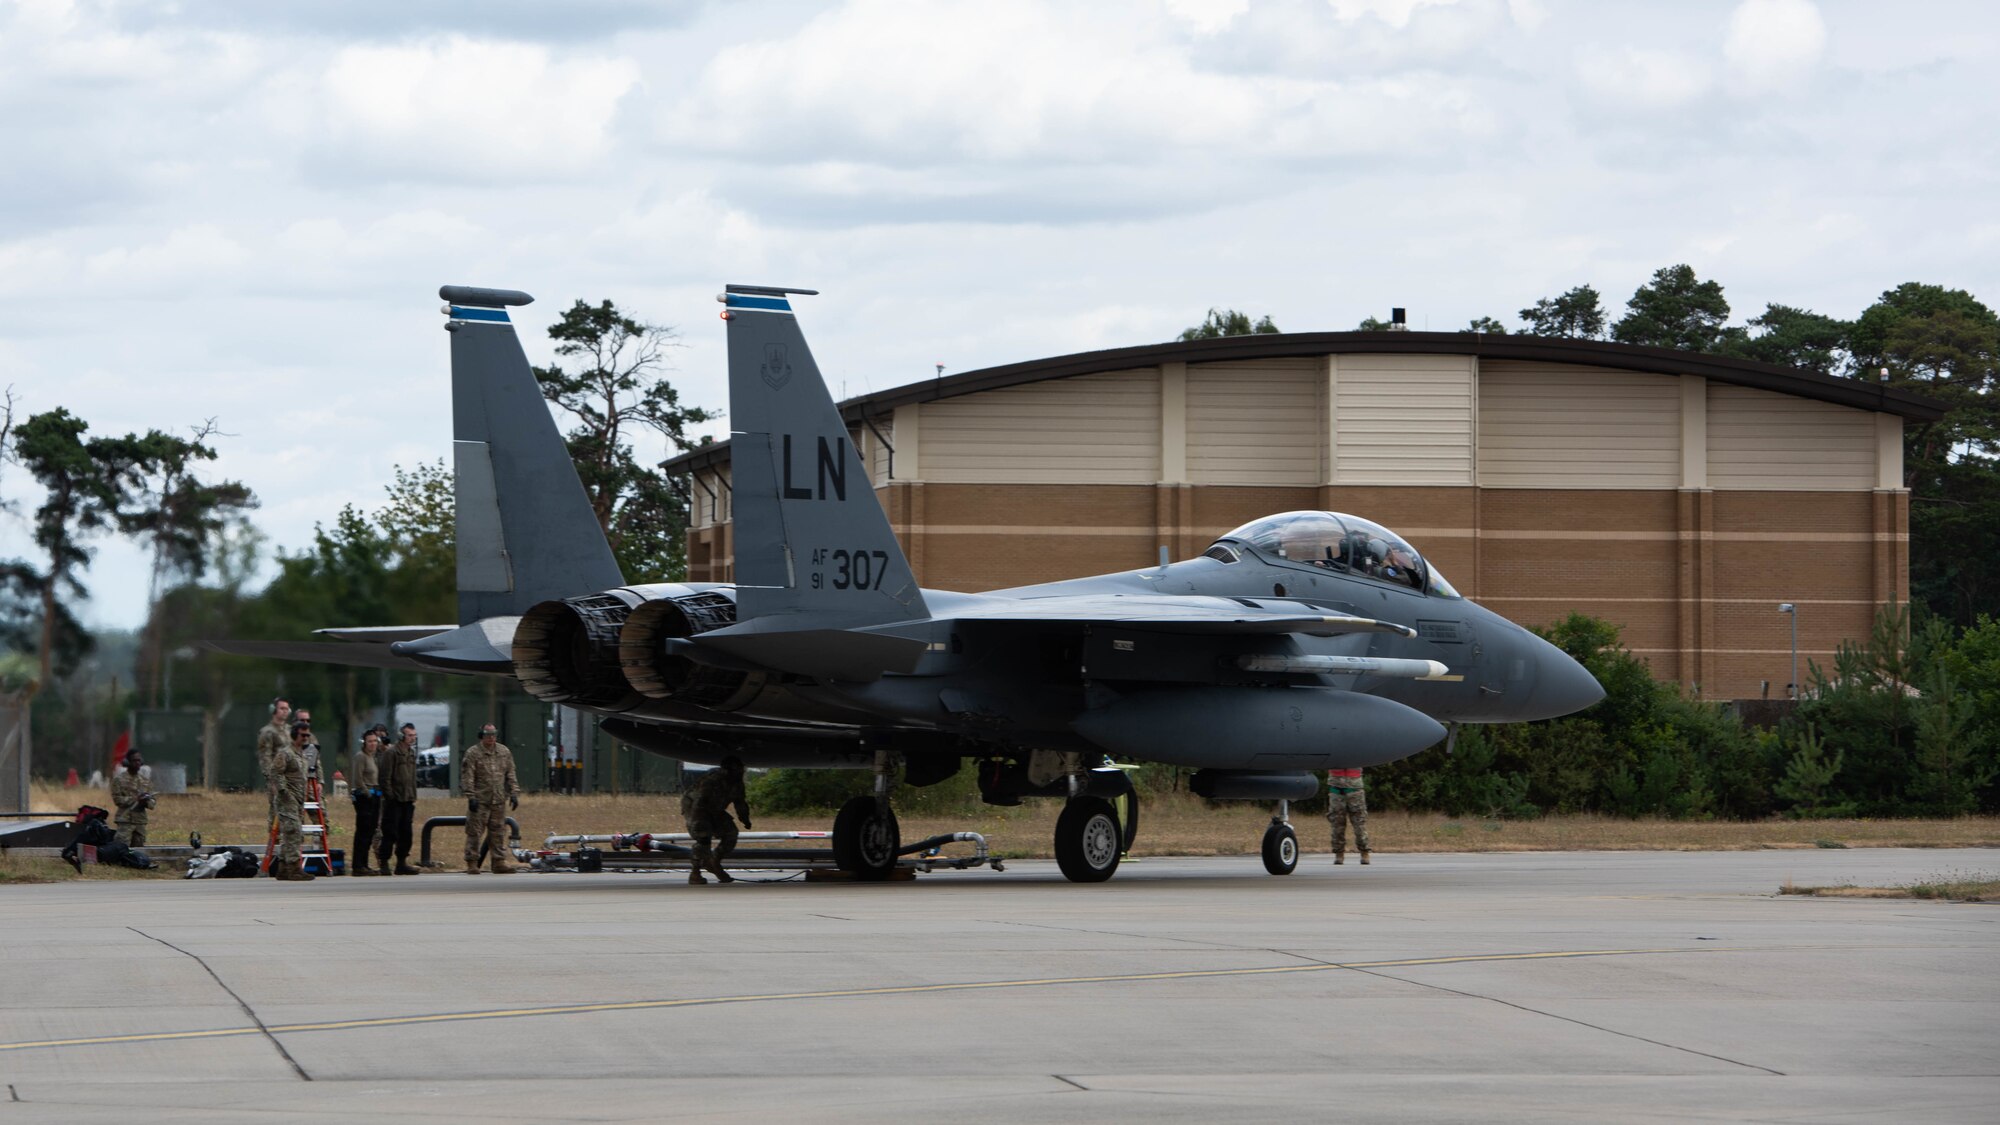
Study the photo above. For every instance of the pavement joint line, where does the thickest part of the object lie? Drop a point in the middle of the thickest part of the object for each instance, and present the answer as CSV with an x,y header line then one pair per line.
x,y
1566,1019
1071,1081
240,1002
273,1031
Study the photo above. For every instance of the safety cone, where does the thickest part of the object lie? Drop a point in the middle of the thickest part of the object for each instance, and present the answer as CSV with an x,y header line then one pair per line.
x,y
71,782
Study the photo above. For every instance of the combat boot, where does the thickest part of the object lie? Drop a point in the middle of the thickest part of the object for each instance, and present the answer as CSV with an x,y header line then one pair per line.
x,y
721,876
695,879
1364,859
406,869
292,872
503,869
359,870
471,868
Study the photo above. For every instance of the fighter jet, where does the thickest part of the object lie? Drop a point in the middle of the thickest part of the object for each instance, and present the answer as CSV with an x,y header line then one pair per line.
x,y
1298,642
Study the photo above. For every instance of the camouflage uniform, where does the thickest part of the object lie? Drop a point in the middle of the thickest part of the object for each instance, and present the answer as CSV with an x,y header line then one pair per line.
x,y
128,792
397,769
272,738
1346,800
706,810
288,799
487,776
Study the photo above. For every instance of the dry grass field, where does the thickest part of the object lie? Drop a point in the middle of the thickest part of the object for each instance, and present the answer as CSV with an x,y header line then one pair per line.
x,y
1169,825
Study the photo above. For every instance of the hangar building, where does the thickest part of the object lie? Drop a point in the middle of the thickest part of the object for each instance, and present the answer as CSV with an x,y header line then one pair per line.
x,y
1681,496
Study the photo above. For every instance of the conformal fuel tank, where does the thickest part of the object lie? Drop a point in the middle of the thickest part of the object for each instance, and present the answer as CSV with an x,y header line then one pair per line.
x,y
1253,728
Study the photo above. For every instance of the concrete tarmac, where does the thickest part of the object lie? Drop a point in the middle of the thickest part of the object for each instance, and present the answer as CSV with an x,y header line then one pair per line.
x,y
1492,987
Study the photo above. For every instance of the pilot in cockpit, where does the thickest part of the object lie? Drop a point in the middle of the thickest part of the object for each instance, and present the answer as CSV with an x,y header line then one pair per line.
x,y
1401,566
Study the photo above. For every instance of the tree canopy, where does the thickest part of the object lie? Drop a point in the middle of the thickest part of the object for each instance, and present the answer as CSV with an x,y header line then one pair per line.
x,y
1575,313
1227,322
609,377
1675,310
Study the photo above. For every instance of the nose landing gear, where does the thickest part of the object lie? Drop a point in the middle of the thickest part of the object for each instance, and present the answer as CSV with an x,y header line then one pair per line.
x,y
1281,844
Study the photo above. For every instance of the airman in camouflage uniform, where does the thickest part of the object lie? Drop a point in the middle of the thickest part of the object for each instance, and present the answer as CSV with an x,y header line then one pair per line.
x,y
486,774
275,736
288,797
1346,800
397,771
129,794
705,807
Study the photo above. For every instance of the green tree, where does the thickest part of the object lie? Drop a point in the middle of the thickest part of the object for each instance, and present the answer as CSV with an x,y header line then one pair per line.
x,y
1485,325
1676,310
1374,324
1227,322
1944,344
1576,313
608,377
1795,338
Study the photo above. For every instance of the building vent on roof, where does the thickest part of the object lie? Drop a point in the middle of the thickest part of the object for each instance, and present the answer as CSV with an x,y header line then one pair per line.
x,y
1398,321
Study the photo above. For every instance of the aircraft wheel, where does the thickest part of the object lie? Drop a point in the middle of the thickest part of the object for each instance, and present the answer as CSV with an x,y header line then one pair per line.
x,y
1088,840
865,839
1281,849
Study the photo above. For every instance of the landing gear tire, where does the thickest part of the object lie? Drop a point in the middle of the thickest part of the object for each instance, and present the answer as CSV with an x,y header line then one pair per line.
x,y
1281,849
866,838
1088,840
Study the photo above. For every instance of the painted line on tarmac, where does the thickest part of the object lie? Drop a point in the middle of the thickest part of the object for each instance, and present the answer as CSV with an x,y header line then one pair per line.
x,y
827,994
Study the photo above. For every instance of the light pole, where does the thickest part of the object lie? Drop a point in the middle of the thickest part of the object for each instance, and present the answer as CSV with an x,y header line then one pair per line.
x,y
1792,611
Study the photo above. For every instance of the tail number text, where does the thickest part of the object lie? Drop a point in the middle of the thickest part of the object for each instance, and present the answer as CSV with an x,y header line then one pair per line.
x,y
852,570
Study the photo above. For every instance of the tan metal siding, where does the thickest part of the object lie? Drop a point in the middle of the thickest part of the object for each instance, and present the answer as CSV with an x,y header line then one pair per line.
x,y
1766,440
1255,423
1091,429
1563,426
1403,419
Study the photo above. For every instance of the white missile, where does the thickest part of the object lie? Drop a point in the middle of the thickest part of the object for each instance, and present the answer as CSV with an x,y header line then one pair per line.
x,y
1345,665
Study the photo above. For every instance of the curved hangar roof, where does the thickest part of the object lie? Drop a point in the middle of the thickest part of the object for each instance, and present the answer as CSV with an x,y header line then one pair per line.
x,y
1293,345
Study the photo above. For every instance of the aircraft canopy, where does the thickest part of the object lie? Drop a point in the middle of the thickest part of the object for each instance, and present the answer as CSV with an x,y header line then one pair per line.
x,y
1340,542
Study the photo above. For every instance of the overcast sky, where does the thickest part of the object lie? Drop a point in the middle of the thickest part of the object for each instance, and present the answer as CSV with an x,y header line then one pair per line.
x,y
243,211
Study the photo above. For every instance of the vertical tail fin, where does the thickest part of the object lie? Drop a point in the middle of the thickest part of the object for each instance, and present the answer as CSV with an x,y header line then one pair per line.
x,y
524,526
810,537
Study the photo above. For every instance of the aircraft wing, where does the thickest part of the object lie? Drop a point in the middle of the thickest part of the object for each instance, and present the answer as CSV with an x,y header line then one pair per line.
x,y
1207,616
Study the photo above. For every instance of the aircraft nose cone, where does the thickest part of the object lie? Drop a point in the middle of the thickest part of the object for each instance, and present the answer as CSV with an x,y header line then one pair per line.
x,y
1562,686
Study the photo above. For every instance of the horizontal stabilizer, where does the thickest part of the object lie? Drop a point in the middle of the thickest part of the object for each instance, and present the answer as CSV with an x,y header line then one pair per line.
x,y
483,646
320,652
383,634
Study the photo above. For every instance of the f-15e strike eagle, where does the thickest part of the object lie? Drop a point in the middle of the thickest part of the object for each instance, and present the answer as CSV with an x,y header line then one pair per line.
x,y
1298,642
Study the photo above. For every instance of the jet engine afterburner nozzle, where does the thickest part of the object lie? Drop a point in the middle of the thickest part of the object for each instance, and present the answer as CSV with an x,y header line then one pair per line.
x,y
567,651
655,672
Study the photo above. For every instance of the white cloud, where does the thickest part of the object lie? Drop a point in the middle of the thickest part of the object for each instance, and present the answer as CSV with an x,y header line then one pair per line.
x,y
1773,44
461,108
1206,17
1395,13
1643,78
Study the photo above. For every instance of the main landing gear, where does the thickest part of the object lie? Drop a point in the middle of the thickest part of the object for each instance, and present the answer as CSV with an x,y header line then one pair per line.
x,y
1281,844
866,836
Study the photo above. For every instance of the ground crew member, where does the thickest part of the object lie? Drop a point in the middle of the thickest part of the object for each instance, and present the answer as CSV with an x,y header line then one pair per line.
x,y
275,736
486,774
311,752
397,772
365,790
288,797
129,794
706,809
1346,800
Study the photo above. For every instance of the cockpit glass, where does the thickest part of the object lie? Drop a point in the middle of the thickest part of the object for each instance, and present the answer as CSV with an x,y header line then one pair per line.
x,y
1340,542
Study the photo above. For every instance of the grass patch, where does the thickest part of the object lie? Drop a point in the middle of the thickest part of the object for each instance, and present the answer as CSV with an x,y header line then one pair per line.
x,y
1955,886
36,869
